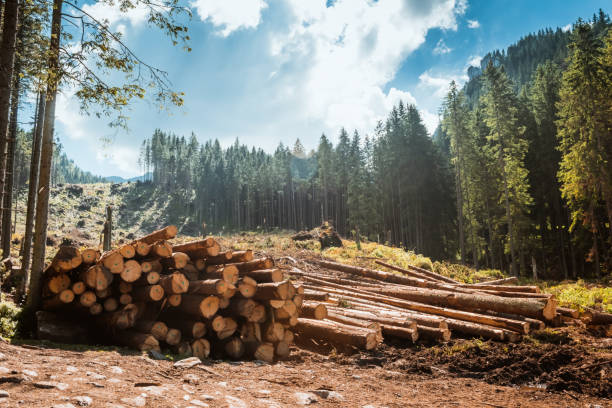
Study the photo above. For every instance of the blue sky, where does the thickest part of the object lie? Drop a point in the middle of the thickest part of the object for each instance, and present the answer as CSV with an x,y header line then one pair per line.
x,y
270,71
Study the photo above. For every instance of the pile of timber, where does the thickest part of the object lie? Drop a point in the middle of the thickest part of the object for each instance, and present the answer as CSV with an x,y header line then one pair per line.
x,y
368,305
192,297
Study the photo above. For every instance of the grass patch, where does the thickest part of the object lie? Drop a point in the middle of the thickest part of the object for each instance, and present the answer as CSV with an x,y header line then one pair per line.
x,y
580,295
9,319
371,251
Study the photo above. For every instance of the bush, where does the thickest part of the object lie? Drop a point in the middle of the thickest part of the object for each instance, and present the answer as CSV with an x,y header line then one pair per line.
x,y
9,319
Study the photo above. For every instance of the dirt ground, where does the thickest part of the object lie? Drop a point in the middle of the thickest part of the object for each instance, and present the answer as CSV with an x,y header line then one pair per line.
x,y
472,376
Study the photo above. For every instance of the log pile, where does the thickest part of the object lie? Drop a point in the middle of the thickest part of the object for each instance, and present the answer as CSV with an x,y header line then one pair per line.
x,y
421,304
198,299
192,298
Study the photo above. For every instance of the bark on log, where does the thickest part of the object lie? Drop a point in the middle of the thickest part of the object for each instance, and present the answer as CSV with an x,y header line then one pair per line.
x,y
276,290
265,275
228,273
254,265
338,333
168,232
471,302
314,310
518,326
433,333
407,272
191,246
503,281
208,287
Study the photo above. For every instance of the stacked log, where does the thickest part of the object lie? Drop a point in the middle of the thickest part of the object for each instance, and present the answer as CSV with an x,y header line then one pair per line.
x,y
191,297
424,305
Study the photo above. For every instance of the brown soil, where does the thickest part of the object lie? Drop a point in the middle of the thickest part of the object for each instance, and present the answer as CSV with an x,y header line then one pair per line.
x,y
390,377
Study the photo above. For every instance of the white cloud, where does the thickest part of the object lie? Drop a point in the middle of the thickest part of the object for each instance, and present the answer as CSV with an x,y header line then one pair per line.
x,y
441,48
440,84
347,53
112,14
473,23
123,158
474,61
68,114
567,27
430,120
230,15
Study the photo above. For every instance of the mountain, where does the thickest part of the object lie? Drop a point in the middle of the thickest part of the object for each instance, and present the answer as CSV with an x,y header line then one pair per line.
x,y
119,179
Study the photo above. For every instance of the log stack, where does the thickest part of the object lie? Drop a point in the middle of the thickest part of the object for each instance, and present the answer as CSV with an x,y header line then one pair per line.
x,y
190,297
420,304
196,298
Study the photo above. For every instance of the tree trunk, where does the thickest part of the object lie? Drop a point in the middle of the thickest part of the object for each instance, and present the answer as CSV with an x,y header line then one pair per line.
x,y
32,187
508,215
42,204
9,172
7,59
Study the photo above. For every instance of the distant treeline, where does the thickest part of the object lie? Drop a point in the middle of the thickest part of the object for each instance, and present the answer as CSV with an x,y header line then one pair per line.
x,y
518,175
63,169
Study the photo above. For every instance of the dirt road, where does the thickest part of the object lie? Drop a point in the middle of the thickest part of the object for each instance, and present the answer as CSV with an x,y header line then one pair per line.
x,y
51,377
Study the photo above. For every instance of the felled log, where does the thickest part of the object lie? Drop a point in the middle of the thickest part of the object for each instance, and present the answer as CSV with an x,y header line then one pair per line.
x,y
526,289
59,328
228,273
166,233
200,348
158,329
58,283
90,256
127,251
175,283
470,302
63,298
503,281
276,290
253,265
314,310
316,295
199,305
522,327
113,261
338,333
234,348
177,261
149,293
208,287
595,317
407,271
137,340
66,259
191,246
265,275
400,332
162,249
433,333
173,337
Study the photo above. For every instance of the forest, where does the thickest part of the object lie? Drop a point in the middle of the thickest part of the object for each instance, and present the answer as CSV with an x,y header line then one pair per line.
x,y
517,177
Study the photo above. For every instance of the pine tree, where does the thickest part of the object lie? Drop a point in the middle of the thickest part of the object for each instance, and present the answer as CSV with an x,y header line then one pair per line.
x,y
584,139
509,149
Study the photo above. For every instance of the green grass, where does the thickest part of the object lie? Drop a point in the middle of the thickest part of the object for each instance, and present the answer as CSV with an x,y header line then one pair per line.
x,y
580,294
9,319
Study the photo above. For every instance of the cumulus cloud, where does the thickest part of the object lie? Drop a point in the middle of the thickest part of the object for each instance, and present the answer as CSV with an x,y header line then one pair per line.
x,y
430,120
473,24
230,15
112,14
349,51
566,27
123,158
439,83
441,48
474,61
68,115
